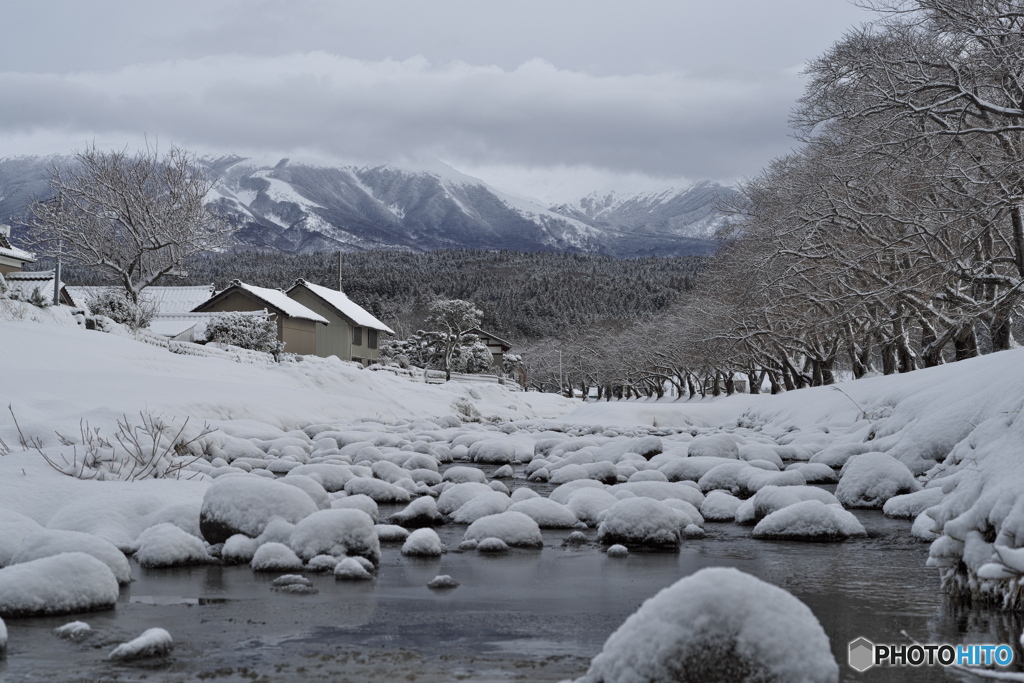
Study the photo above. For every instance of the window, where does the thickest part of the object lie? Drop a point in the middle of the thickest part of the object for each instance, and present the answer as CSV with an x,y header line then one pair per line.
x,y
357,335
371,338
357,359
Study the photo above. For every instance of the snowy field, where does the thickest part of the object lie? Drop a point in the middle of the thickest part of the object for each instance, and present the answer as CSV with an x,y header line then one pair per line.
x,y
132,478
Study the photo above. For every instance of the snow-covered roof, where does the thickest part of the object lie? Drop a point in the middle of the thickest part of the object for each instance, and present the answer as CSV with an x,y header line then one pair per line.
x,y
7,249
340,302
21,284
487,335
168,300
274,298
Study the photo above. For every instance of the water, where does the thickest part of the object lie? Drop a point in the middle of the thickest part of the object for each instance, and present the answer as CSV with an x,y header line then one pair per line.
x,y
528,615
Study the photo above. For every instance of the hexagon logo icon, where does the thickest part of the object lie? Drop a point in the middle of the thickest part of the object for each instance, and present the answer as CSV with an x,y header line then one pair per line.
x,y
862,654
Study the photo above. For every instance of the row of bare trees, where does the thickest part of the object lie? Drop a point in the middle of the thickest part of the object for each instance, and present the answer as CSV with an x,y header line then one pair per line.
x,y
892,239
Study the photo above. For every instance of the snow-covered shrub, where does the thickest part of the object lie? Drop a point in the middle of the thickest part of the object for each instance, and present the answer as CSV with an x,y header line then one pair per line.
x,y
115,304
247,330
717,625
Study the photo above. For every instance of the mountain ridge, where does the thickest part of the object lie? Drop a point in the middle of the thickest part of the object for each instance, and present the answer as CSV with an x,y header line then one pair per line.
x,y
299,205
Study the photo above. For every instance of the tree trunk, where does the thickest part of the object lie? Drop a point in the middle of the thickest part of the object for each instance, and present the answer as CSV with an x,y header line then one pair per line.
x,y
966,342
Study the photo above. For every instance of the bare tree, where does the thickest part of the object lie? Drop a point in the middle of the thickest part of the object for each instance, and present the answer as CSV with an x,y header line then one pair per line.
x,y
135,216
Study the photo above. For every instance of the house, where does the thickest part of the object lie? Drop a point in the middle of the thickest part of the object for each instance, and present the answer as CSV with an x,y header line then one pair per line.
x,y
296,324
167,301
353,333
23,285
12,259
496,345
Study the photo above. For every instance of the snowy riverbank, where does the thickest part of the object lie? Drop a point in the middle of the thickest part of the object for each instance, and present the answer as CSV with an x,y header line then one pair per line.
x,y
350,459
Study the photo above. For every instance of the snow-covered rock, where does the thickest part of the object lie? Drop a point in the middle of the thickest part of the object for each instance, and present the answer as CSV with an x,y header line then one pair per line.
x,y
423,543
351,569
714,446
338,533
588,504
245,504
275,557
809,520
154,642
380,491
772,498
458,495
513,528
357,502
640,522
719,506
868,480
461,474
239,549
717,625
547,513
421,512
910,505
485,504
73,630
442,582
49,542
57,584
165,545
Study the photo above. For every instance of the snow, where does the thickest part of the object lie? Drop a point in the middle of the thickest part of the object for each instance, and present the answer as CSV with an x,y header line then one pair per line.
x,y
165,545
3,639
336,532
717,624
350,569
458,495
809,520
347,307
442,582
547,513
423,543
719,506
482,505
640,522
73,630
58,584
512,528
617,550
870,479
358,501
245,504
275,557
154,642
50,542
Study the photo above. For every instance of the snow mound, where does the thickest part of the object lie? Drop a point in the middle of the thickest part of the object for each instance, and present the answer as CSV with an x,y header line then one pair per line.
x,y
165,545
336,532
275,557
714,446
481,506
588,504
50,542
809,520
719,506
494,452
547,513
772,498
391,533
421,512
245,504
458,495
717,625
461,475
351,569
691,468
618,551
442,582
380,491
154,642
73,630
492,545
59,584
641,522
513,528
910,505
868,480
357,502
239,549
423,543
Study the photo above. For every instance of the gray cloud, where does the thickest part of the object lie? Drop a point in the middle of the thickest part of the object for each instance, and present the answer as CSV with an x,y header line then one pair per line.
x,y
672,123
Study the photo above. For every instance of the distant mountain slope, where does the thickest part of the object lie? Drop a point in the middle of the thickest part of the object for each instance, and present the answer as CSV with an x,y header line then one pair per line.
x,y
300,206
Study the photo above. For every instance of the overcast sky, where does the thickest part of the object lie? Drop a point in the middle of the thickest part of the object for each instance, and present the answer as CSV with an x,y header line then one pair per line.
x,y
530,95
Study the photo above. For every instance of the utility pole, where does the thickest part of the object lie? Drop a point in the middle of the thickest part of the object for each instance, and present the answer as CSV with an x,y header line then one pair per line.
x,y
340,288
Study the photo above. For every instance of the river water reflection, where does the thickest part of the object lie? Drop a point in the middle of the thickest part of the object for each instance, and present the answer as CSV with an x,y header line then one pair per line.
x,y
528,615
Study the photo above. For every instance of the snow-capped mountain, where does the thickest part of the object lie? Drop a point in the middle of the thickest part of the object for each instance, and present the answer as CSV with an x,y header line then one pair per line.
x,y
301,205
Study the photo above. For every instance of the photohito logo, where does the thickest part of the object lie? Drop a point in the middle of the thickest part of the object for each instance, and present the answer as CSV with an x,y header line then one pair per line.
x,y
864,654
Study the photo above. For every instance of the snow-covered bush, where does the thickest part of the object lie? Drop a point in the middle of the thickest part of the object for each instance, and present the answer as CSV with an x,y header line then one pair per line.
x,y
247,330
717,625
115,304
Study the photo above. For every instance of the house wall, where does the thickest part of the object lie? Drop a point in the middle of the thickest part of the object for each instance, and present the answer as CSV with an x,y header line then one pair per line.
x,y
299,336
333,339
9,265
240,301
